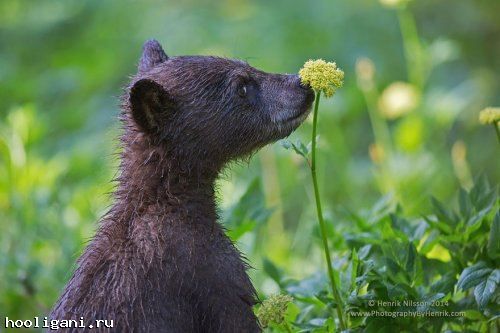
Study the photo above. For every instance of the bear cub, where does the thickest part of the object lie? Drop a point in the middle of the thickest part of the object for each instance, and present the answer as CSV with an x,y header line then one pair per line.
x,y
159,261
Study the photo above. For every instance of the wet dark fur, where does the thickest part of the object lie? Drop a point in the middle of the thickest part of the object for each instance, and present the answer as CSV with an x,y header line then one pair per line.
x,y
159,261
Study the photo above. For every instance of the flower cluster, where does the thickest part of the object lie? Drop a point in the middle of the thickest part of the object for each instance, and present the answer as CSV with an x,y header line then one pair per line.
x,y
489,116
322,76
273,309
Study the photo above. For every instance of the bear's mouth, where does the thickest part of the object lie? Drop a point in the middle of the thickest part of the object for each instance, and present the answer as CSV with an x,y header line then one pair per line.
x,y
295,112
300,116
303,111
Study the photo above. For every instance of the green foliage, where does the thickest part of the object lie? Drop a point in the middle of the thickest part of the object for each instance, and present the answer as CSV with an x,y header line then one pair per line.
x,y
298,147
248,213
42,200
390,268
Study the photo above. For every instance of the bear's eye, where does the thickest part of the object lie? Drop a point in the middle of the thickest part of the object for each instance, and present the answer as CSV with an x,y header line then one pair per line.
x,y
242,91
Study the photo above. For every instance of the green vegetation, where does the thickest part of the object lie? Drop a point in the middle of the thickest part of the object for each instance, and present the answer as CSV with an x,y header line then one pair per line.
x,y
403,131
434,273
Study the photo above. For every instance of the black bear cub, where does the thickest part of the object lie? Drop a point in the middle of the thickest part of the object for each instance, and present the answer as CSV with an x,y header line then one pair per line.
x,y
160,262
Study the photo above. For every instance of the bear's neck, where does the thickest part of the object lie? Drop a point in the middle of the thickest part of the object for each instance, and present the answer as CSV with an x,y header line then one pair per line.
x,y
152,181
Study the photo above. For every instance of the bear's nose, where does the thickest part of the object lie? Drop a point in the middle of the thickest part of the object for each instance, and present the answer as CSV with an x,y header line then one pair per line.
x,y
295,81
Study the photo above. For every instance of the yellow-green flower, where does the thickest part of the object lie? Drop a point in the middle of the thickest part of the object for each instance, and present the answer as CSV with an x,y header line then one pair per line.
x,y
273,309
489,116
322,76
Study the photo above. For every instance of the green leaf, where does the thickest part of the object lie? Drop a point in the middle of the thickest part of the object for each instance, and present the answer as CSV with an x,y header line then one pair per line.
x,y
474,315
486,289
353,270
428,300
487,201
419,231
298,147
364,251
357,219
324,297
442,213
396,291
395,272
309,287
395,250
475,221
480,187
272,271
411,259
464,204
362,238
481,196
441,226
248,212
494,239
445,284
378,325
401,227
287,144
429,242
383,207
472,276
236,232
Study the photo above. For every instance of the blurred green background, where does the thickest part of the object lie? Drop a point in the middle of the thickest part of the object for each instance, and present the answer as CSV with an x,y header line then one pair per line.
x,y
404,126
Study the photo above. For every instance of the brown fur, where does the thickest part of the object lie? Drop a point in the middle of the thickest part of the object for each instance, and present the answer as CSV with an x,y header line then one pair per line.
x,y
159,261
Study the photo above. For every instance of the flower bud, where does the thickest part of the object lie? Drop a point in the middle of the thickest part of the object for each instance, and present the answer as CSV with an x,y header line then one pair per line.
x,y
489,116
273,309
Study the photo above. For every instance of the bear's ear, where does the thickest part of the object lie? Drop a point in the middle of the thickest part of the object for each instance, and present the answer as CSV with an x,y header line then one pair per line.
x,y
152,55
150,105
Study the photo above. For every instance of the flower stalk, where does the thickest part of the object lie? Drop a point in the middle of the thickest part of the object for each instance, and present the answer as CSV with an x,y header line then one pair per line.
x,y
323,77
319,211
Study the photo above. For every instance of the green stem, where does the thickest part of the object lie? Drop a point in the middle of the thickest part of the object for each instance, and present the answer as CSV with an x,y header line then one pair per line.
x,y
336,294
381,132
412,47
287,327
496,125
382,137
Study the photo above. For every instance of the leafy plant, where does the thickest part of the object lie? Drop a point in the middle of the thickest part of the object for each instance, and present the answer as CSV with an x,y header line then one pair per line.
x,y
435,273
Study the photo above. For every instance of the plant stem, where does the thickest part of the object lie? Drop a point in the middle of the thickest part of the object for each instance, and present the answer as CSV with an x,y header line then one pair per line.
x,y
336,294
412,48
287,327
382,137
497,130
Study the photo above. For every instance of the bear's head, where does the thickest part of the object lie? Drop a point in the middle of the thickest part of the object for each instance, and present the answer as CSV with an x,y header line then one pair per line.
x,y
203,108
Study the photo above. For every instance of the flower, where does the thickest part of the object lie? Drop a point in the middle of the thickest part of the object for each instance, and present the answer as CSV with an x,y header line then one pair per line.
x,y
393,3
489,116
398,99
322,76
365,72
273,309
